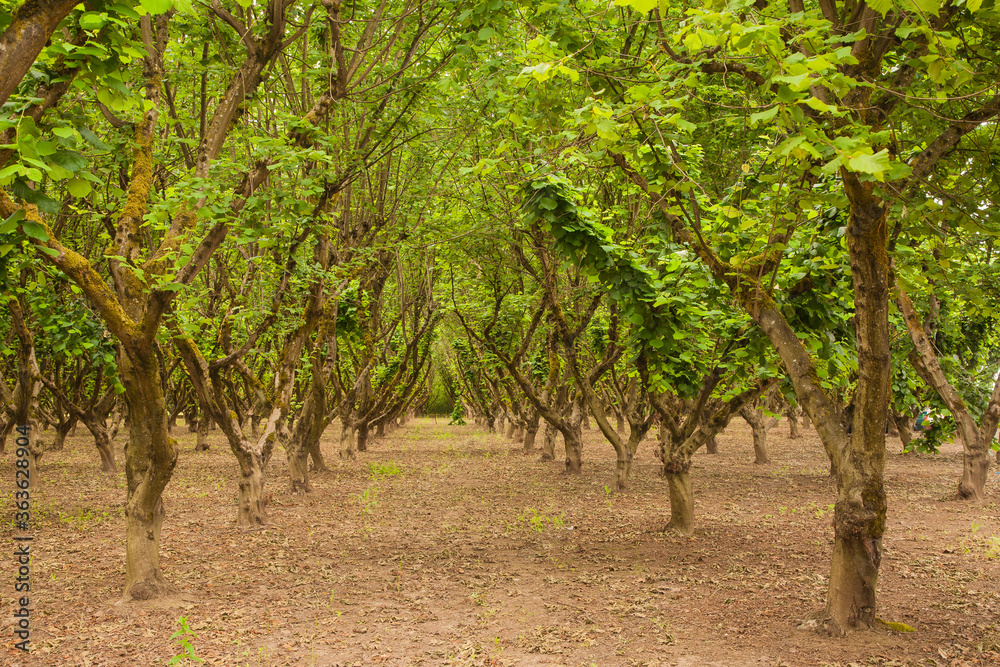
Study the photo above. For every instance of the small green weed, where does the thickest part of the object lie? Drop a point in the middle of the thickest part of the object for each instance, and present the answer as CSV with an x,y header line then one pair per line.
x,y
378,469
537,521
183,638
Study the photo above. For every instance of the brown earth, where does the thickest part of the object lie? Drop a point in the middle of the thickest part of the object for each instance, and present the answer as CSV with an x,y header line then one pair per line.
x,y
446,546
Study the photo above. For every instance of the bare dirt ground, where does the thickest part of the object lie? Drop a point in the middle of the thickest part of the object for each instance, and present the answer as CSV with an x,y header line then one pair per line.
x,y
447,546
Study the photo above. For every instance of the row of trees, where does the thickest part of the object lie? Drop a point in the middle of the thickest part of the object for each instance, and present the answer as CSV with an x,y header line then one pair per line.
x,y
273,215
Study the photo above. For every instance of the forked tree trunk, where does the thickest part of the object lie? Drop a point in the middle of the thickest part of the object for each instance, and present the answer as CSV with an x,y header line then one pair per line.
x,y
975,438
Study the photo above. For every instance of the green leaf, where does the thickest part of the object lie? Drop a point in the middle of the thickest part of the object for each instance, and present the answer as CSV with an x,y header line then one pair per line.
x,y
973,5
642,6
765,115
78,187
92,20
93,139
881,6
10,224
870,164
486,33
164,6
35,230
928,6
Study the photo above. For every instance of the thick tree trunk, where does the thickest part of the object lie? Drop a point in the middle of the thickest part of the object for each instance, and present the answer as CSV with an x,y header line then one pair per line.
x,y
143,577
316,454
105,448
346,440
150,457
681,498
574,450
975,468
712,446
860,513
549,443
362,435
530,430
380,430
793,424
61,431
519,434
298,470
204,421
903,430
510,430
755,418
623,466
252,507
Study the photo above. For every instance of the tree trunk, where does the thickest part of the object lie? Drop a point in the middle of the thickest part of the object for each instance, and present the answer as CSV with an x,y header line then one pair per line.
x,y
105,448
252,508
712,446
150,457
903,430
5,430
380,430
510,430
975,468
316,454
793,424
860,513
530,430
298,470
143,577
755,418
346,440
549,443
203,423
574,450
362,434
806,422
62,430
623,466
681,498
